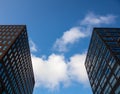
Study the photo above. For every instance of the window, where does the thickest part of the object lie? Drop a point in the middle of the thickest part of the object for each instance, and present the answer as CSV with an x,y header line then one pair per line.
x,y
117,71
112,62
8,66
0,53
112,80
4,42
117,91
13,37
12,33
108,38
3,37
8,33
106,89
14,50
12,59
107,54
9,42
9,51
4,80
5,58
3,75
16,33
8,37
0,65
4,92
11,55
5,47
116,49
107,72
6,63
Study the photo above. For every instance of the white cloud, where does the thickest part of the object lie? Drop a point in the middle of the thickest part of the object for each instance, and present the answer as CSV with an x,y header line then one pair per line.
x,y
55,70
33,47
50,73
92,19
77,69
83,30
69,37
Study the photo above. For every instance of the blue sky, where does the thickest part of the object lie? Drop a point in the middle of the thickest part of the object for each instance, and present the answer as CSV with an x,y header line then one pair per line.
x,y
59,34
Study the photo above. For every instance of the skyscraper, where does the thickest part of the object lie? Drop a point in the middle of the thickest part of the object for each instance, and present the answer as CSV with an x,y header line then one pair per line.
x,y
103,61
16,72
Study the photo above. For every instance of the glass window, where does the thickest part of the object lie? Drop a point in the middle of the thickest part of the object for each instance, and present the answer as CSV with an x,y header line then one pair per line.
x,y
112,43
117,91
4,42
1,71
112,62
117,69
0,53
5,58
5,47
106,89
12,59
9,51
8,37
6,63
107,72
0,65
112,80
109,90
11,55
118,73
13,37
12,33
8,66
3,37
8,33
14,50
4,80
108,38
116,49
4,92
16,33
9,42
0,47
3,75
107,55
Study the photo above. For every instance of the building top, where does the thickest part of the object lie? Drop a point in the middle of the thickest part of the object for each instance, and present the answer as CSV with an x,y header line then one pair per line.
x,y
8,35
111,38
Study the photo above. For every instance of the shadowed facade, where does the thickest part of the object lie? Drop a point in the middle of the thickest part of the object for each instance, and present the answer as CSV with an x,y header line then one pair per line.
x,y
16,72
103,61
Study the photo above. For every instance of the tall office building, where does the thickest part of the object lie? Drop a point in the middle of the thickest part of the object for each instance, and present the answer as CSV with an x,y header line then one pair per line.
x,y
16,72
103,61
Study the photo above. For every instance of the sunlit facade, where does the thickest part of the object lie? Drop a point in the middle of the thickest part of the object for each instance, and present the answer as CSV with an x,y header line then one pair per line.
x,y
103,61
16,72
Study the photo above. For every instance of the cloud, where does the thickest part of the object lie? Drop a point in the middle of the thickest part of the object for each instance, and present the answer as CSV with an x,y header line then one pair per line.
x,y
54,71
69,37
33,47
92,19
83,30
77,69
49,73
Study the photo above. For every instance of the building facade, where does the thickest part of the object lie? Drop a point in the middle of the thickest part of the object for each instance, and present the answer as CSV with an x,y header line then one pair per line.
x,y
16,72
103,61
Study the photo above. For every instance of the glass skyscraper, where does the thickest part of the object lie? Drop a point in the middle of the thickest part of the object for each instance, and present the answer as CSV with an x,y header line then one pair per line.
x,y
103,61
16,72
